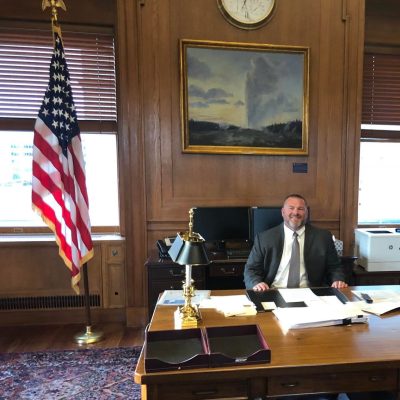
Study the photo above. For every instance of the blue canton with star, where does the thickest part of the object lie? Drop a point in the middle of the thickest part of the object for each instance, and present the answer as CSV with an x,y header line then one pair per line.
x,y
58,109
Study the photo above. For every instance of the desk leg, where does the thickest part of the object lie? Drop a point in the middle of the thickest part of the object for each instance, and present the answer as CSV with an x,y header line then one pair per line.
x,y
148,392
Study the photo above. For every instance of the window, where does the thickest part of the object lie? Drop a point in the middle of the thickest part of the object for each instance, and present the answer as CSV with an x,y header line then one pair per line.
x,y
24,67
100,154
379,183
380,141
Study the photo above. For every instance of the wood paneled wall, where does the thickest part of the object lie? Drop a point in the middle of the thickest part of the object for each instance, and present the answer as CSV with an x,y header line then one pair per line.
x,y
158,182
172,181
381,22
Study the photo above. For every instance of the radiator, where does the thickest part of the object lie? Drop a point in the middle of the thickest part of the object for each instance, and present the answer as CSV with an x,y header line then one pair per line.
x,y
48,302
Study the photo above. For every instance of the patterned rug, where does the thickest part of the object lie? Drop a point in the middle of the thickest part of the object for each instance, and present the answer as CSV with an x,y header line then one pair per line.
x,y
100,374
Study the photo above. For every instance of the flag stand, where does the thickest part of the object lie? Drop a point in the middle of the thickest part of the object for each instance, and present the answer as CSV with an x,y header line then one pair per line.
x,y
89,336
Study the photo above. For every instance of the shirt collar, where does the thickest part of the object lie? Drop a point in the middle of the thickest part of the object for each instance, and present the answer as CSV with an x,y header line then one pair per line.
x,y
289,232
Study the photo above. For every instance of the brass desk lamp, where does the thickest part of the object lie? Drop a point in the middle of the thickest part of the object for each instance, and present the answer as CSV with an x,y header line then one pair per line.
x,y
188,249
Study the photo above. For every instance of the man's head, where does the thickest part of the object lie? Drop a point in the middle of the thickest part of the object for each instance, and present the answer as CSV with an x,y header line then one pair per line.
x,y
295,211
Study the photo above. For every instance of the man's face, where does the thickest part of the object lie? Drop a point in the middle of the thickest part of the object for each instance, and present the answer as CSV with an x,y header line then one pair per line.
x,y
294,213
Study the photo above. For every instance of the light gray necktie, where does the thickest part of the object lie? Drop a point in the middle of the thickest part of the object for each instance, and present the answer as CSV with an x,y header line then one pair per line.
x,y
294,264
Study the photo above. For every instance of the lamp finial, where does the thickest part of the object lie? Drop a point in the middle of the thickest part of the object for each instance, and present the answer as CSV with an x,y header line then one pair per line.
x,y
191,222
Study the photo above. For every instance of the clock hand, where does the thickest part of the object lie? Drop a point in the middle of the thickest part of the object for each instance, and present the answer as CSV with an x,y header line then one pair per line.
x,y
244,7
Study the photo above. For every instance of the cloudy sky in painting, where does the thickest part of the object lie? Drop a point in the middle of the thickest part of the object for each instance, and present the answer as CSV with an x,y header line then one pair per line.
x,y
250,89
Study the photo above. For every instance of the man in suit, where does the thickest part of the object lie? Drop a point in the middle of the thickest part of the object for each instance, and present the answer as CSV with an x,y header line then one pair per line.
x,y
270,261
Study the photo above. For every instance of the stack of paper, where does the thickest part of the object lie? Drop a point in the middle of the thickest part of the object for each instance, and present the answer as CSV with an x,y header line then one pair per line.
x,y
318,315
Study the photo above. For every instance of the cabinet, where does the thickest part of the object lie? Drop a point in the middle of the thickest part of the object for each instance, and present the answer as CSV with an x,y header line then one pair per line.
x,y
363,277
113,270
376,380
225,274
164,274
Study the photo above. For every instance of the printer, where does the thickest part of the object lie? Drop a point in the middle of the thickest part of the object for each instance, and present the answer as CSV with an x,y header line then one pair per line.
x,y
378,249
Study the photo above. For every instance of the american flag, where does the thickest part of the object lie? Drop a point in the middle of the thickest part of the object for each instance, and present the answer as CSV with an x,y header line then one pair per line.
x,y
59,192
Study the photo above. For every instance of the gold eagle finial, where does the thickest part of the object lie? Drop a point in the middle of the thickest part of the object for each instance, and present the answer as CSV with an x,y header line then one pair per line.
x,y
54,4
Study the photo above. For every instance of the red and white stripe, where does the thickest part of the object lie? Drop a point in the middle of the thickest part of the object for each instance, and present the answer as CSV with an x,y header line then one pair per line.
x,y
59,196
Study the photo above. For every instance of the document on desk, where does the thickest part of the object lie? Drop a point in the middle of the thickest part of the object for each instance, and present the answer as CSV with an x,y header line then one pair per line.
x,y
175,297
300,294
236,305
319,315
309,296
382,301
381,308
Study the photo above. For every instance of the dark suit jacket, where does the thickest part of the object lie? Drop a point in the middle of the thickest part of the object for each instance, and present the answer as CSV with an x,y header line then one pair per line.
x,y
320,257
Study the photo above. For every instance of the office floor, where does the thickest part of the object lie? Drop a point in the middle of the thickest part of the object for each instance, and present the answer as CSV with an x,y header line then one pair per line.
x,y
62,337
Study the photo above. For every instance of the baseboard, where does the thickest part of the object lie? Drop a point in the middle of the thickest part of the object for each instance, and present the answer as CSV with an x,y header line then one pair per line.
x,y
57,317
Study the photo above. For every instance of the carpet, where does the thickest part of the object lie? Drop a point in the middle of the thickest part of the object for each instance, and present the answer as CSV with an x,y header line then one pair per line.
x,y
98,374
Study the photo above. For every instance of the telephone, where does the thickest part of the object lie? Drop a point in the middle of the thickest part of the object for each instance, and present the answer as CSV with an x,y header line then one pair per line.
x,y
163,246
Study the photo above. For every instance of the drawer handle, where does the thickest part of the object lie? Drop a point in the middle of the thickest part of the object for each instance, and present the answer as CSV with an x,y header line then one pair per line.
x,y
225,272
114,252
376,378
205,392
175,274
290,384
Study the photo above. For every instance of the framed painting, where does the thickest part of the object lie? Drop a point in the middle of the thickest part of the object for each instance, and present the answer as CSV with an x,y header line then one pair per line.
x,y
241,98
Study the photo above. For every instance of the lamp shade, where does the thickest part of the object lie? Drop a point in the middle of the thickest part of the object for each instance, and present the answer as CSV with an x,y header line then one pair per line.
x,y
188,252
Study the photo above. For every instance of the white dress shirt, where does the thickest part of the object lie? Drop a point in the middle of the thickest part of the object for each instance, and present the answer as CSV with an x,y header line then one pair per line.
x,y
282,274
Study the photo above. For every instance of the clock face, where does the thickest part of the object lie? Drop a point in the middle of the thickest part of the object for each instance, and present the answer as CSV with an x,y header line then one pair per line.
x,y
247,13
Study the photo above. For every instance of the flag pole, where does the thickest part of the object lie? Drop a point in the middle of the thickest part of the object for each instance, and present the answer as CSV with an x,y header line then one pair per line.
x,y
89,336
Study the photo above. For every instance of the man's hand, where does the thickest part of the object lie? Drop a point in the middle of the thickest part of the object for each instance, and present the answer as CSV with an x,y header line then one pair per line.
x,y
260,287
339,284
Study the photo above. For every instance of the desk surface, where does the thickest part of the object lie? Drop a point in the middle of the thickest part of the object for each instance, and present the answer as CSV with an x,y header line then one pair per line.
x,y
325,350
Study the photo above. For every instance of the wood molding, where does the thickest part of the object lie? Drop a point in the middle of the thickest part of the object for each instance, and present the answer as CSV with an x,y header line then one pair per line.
x,y
131,151
35,317
352,122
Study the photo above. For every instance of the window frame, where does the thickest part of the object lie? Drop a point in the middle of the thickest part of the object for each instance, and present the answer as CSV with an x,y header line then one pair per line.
x,y
373,124
87,126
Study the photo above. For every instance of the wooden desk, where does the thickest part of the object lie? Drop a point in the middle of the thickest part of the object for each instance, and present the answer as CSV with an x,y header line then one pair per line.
x,y
354,358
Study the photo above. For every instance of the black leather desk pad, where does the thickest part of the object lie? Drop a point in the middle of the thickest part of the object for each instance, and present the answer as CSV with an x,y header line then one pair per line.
x,y
273,295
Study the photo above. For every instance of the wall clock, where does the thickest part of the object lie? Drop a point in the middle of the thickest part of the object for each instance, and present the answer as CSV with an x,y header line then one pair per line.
x,y
247,14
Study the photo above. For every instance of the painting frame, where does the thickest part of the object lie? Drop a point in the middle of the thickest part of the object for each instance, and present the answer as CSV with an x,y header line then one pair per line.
x,y
229,91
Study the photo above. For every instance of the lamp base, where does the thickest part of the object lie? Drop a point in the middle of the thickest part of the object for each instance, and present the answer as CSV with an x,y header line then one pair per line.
x,y
183,320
